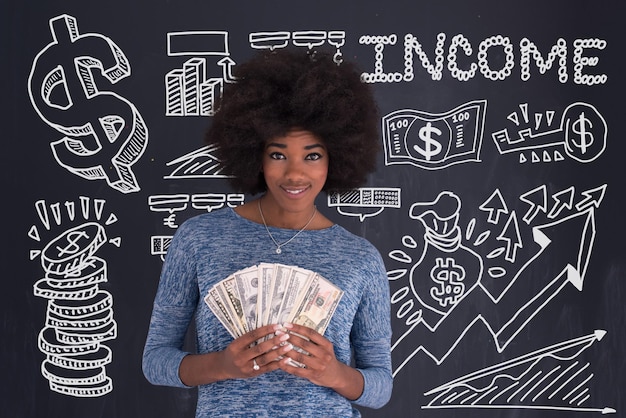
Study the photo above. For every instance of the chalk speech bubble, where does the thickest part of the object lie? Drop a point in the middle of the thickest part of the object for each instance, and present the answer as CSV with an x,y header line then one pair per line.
x,y
365,202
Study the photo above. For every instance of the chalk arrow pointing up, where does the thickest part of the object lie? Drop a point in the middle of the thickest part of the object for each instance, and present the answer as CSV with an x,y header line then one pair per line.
x,y
227,65
495,207
511,235
562,200
537,200
593,197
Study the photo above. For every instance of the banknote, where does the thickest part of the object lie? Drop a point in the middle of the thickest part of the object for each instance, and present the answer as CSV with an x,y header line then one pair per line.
x,y
295,286
266,284
213,300
317,304
315,308
281,275
271,294
227,290
247,284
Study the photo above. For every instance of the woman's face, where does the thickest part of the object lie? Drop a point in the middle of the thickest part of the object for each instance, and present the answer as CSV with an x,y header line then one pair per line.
x,y
295,168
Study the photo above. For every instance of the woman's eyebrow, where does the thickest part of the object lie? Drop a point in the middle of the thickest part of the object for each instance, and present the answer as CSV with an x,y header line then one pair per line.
x,y
276,144
283,146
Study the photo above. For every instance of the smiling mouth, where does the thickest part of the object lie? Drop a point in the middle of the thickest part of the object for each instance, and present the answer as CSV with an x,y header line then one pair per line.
x,y
295,192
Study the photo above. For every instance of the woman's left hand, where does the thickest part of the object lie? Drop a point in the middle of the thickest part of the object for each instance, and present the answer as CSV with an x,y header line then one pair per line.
x,y
319,364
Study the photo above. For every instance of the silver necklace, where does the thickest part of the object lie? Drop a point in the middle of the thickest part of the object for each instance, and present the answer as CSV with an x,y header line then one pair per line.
x,y
278,250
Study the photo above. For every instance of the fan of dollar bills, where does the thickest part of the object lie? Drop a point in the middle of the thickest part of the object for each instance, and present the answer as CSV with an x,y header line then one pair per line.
x,y
273,294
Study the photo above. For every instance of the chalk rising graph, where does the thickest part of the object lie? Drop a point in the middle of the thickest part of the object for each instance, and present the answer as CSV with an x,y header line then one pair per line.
x,y
548,379
189,90
443,287
200,163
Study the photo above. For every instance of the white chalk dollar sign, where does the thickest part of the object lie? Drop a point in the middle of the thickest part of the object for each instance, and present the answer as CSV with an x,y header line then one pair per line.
x,y
104,133
431,147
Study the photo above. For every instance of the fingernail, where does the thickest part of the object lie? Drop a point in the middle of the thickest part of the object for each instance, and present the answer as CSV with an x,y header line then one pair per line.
x,y
288,325
284,337
278,332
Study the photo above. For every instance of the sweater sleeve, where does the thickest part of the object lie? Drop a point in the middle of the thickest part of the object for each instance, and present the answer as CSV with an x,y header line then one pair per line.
x,y
371,338
174,307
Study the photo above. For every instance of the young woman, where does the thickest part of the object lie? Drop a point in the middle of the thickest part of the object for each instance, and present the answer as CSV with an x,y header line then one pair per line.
x,y
293,125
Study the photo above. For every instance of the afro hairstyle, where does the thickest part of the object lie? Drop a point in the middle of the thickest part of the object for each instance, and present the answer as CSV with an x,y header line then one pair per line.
x,y
279,91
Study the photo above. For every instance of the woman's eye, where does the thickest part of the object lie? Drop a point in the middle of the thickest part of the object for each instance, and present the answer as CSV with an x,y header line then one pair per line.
x,y
314,156
277,156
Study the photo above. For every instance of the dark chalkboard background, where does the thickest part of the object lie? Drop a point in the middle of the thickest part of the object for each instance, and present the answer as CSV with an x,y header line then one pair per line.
x,y
491,354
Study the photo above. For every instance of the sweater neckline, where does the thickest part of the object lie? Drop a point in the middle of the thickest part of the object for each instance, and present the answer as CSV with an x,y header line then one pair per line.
x,y
276,228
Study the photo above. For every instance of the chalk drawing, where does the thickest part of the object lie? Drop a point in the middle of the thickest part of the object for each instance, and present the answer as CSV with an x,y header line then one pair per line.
x,y
581,135
105,134
172,204
434,141
547,379
79,315
365,202
442,287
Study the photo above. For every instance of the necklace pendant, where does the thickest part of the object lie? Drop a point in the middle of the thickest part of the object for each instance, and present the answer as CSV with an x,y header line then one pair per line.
x,y
278,250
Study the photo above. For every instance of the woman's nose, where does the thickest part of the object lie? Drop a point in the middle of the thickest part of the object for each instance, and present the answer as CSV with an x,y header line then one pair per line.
x,y
295,170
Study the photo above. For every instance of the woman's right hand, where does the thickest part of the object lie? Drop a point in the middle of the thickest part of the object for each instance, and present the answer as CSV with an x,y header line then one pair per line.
x,y
256,352
262,347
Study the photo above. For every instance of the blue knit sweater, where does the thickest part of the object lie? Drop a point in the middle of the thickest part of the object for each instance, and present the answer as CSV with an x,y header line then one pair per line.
x,y
208,248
